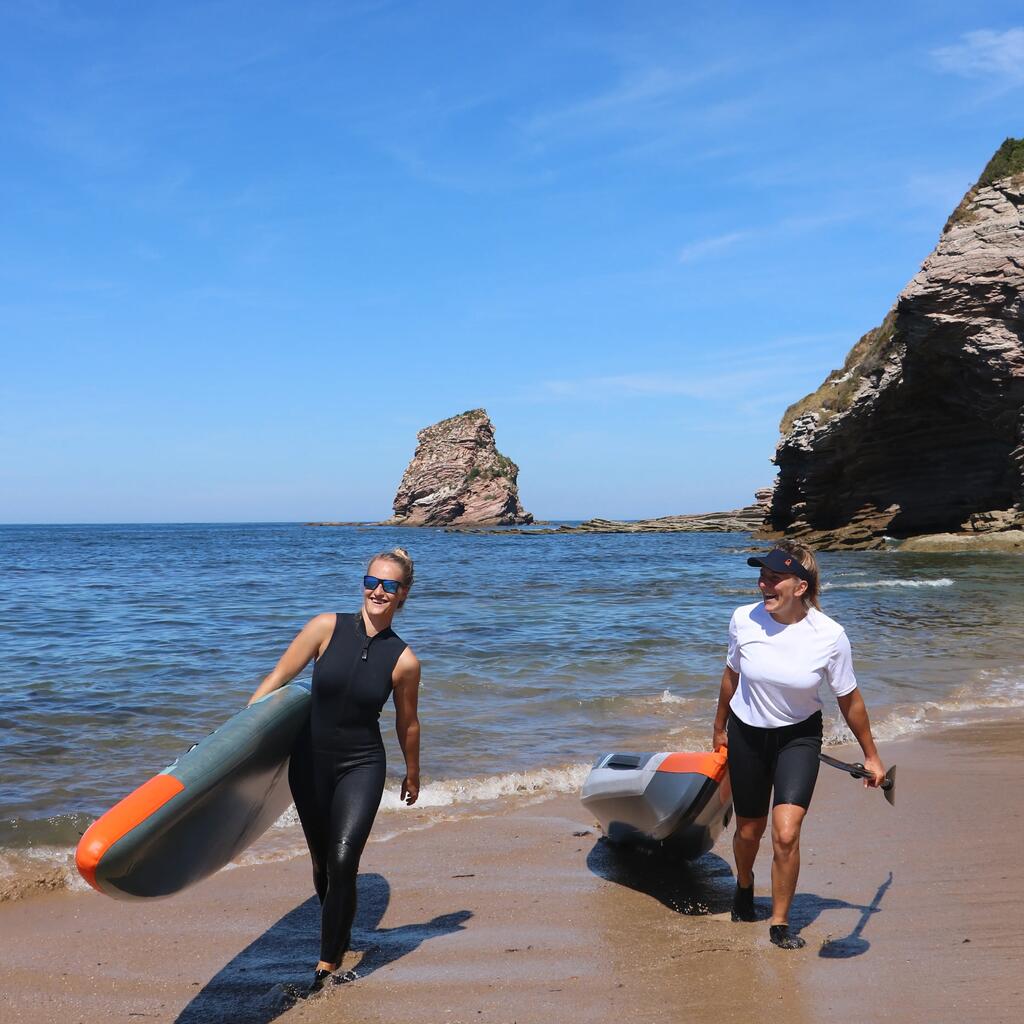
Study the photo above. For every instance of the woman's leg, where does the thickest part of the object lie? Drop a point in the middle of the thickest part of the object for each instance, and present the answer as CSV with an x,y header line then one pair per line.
x,y
353,808
796,772
745,843
786,822
312,807
750,778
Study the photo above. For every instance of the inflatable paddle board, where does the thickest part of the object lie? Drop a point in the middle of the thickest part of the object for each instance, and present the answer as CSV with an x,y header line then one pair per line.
x,y
677,801
204,809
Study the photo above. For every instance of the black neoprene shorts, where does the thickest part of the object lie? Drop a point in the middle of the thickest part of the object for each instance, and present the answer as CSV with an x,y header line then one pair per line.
x,y
785,759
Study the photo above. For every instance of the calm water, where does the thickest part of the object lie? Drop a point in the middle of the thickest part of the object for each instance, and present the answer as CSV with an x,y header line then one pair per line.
x,y
123,645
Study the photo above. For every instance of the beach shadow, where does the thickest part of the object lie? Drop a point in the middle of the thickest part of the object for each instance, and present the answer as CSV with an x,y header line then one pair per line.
x,y
853,944
271,974
706,886
695,887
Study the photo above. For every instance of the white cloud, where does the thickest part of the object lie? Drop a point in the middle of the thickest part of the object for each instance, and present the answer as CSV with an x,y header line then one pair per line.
x,y
646,385
710,246
986,54
648,99
787,227
735,374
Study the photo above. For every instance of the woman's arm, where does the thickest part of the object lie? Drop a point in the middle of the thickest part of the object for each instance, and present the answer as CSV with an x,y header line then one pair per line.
x,y
730,680
856,714
406,680
313,637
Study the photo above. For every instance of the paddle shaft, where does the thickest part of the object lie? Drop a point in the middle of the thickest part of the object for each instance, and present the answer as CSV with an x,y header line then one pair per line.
x,y
858,771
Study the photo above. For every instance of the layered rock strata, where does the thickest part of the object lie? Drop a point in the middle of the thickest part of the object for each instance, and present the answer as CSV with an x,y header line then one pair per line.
x,y
458,477
922,430
741,520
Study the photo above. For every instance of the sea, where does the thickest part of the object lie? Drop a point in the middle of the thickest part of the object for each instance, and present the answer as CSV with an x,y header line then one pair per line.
x,y
122,645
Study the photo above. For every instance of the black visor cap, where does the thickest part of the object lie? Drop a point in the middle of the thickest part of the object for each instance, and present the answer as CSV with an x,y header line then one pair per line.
x,y
781,562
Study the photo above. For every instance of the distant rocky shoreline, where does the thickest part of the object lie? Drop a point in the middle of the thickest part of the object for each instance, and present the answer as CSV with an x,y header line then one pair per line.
x,y
738,521
741,520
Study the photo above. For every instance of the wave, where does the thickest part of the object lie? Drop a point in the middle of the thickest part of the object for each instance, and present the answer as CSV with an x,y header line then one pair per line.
x,y
537,781
870,584
667,697
989,695
475,790
37,870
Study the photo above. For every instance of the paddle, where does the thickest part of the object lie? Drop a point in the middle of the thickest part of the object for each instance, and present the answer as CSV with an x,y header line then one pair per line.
x,y
858,771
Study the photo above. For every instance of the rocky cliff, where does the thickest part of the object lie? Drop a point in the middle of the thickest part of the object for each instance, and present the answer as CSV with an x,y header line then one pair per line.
x,y
458,477
922,430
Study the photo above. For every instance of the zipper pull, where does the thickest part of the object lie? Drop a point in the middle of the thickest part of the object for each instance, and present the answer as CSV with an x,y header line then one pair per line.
x,y
362,657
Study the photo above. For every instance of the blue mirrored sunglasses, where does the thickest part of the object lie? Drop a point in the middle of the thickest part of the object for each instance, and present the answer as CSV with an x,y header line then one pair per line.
x,y
390,586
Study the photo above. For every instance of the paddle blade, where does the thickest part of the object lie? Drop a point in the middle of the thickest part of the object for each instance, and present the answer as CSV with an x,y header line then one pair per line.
x,y
889,786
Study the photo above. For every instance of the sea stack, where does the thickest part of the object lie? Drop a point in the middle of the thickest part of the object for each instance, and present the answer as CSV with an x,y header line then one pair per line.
x,y
459,478
922,430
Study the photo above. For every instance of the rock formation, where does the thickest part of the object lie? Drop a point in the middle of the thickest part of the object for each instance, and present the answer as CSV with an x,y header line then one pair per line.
x,y
458,477
740,520
922,430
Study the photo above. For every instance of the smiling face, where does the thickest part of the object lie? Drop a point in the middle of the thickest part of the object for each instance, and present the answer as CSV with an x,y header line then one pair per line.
x,y
378,601
782,593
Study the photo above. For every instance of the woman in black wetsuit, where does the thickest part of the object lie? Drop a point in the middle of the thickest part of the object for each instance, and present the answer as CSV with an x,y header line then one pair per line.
x,y
338,765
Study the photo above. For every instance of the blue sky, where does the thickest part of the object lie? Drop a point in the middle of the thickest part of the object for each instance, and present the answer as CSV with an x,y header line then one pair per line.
x,y
249,249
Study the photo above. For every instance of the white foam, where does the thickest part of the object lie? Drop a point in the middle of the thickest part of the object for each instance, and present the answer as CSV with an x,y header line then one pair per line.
x,y
565,779
449,792
38,869
987,696
668,697
870,584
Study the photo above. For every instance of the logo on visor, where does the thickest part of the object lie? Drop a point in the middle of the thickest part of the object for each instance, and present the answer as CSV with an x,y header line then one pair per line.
x,y
789,561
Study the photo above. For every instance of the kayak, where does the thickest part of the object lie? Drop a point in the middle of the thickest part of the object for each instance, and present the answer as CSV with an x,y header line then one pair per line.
x,y
677,801
203,810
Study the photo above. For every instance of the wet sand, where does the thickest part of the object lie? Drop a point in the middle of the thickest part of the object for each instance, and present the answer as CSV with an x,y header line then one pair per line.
x,y
912,913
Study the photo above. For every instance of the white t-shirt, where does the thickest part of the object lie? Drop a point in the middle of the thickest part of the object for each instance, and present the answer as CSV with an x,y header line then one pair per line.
x,y
782,667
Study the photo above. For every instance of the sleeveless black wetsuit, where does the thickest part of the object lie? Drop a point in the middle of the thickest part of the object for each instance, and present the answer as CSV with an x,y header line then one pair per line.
x,y
338,766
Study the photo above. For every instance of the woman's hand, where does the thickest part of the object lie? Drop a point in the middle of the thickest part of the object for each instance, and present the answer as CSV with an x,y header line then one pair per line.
x,y
719,738
874,764
856,715
730,680
410,788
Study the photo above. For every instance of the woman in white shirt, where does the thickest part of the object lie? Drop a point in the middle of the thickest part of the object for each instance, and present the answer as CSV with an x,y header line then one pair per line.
x,y
781,649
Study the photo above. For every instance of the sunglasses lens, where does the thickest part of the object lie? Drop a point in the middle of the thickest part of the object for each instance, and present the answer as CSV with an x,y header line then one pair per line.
x,y
389,586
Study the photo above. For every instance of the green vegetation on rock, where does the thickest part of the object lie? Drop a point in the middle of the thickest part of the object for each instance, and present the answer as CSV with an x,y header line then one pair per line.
x,y
1007,162
474,414
502,466
836,394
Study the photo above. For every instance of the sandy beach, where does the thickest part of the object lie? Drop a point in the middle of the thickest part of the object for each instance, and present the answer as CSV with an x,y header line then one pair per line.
x,y
910,912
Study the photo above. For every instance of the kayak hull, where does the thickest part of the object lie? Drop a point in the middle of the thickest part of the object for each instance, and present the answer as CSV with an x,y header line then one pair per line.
x,y
203,810
678,802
